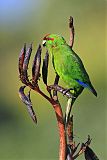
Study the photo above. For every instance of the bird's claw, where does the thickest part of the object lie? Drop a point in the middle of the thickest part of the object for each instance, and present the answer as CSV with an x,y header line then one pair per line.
x,y
62,90
66,90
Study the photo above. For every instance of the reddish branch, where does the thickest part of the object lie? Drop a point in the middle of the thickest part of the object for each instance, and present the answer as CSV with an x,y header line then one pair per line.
x,y
52,99
59,116
69,131
23,66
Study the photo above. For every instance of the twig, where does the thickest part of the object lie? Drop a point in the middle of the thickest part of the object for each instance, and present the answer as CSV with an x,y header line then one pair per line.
x,y
83,148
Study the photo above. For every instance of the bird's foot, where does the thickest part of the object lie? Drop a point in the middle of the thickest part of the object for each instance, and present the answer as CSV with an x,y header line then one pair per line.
x,y
67,90
62,90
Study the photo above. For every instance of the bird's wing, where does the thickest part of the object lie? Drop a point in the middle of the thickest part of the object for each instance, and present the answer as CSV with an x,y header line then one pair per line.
x,y
82,83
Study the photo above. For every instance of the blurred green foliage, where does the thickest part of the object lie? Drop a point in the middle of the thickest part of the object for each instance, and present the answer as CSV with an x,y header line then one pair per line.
x,y
27,21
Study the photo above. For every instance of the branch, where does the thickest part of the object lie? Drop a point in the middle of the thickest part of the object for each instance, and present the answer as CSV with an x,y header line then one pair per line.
x,y
69,131
23,66
83,147
59,116
66,151
62,136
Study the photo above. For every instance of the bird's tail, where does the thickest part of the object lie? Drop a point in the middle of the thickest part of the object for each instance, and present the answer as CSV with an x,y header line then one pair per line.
x,y
68,109
91,88
87,85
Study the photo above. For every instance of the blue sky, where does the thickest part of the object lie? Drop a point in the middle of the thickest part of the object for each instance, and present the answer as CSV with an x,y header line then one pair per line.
x,y
16,10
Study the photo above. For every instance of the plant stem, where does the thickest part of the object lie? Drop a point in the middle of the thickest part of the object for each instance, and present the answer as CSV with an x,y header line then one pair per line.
x,y
62,136
60,121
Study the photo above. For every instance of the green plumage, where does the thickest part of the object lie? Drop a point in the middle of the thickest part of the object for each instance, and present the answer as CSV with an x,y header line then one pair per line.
x,y
68,65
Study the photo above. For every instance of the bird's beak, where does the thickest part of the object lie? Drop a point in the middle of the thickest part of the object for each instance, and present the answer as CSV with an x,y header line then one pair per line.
x,y
44,43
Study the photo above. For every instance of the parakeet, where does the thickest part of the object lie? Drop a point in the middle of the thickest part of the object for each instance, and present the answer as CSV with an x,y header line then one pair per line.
x,y
68,65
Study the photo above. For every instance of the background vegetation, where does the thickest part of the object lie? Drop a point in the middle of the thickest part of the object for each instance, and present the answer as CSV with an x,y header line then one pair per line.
x,y
27,21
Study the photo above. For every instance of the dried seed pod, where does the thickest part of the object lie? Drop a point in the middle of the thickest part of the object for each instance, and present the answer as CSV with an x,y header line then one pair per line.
x,y
36,66
31,110
89,154
26,100
71,27
45,68
26,62
21,60
70,22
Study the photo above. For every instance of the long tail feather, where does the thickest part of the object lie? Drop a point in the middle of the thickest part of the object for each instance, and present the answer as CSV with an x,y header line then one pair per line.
x,y
93,90
89,86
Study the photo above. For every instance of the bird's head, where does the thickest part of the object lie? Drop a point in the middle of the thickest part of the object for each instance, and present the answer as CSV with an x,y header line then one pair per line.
x,y
53,40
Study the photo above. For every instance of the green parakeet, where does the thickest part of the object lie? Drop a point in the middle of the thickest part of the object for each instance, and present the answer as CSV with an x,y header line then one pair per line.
x,y
68,65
